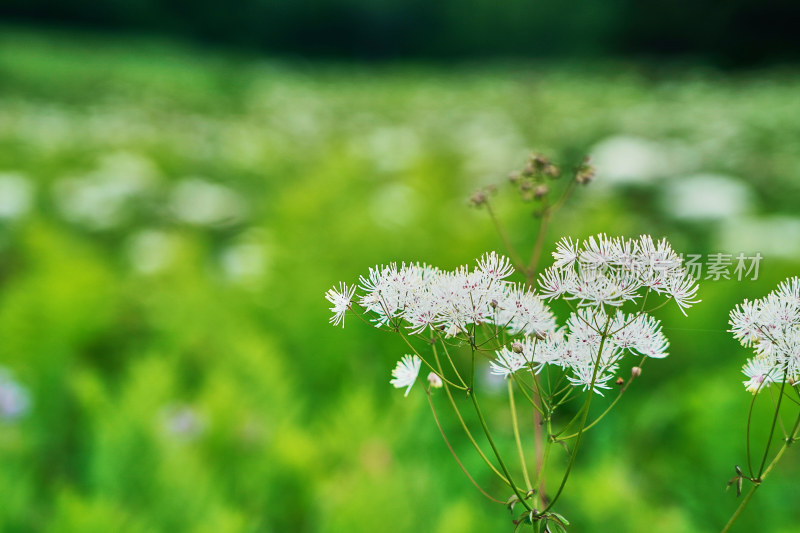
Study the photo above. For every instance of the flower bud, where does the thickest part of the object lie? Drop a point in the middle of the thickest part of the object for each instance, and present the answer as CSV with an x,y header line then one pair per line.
x,y
516,347
529,169
434,381
620,382
585,173
539,161
636,372
539,335
552,171
540,191
478,198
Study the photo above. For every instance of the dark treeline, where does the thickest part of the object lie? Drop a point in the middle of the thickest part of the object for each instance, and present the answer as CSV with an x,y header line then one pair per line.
x,y
726,33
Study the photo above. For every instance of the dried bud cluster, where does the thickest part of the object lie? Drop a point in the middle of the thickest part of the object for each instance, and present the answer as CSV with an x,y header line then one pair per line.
x,y
481,196
531,180
585,173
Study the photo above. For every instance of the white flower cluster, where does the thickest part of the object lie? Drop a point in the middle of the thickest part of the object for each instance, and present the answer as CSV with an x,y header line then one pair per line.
x,y
604,272
421,297
612,271
577,347
771,326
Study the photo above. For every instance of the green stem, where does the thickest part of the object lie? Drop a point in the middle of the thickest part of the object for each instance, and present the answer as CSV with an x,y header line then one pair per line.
x,y
530,272
774,420
757,482
450,359
608,409
466,429
453,452
540,475
748,432
521,384
739,509
585,410
440,373
497,452
515,258
515,425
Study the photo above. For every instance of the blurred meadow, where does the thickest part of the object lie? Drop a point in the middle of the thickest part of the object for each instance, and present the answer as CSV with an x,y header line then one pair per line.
x,y
171,217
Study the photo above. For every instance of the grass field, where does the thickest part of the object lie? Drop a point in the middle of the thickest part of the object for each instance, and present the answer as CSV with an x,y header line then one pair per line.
x,y
170,219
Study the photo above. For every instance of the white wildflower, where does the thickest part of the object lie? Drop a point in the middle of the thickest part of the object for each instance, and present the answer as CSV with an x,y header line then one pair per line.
x,y
566,252
495,266
759,373
406,372
507,363
771,326
584,375
340,299
605,271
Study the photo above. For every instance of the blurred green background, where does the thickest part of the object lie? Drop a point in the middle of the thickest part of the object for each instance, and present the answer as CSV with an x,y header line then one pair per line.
x,y
171,216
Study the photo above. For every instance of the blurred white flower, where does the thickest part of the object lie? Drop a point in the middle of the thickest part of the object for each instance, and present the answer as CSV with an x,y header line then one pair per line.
x,y
99,199
16,195
392,149
706,197
183,422
199,202
627,159
15,400
774,236
394,205
151,251
406,372
487,141
244,262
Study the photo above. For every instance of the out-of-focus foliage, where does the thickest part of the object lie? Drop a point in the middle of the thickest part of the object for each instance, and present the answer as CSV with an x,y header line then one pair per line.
x,y
172,219
738,33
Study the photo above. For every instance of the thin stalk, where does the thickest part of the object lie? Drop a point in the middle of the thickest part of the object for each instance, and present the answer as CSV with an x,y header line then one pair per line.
x,y
538,440
540,474
585,410
453,452
515,425
497,452
747,435
515,258
467,431
739,509
611,406
536,254
449,359
440,373
521,384
757,483
774,420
